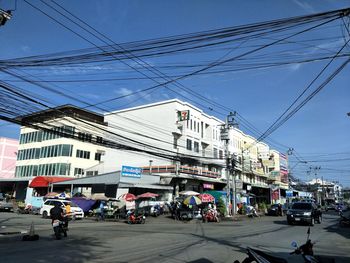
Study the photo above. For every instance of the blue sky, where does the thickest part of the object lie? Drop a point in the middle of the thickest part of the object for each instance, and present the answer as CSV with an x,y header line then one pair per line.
x,y
319,131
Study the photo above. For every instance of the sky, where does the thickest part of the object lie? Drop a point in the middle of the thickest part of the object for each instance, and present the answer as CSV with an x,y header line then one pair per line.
x,y
318,132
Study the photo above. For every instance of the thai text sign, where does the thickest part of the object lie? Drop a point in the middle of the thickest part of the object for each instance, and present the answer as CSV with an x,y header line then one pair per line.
x,y
128,171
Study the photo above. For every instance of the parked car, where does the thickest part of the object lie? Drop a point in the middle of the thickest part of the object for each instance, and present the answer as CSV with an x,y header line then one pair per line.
x,y
50,203
273,210
5,205
329,207
304,212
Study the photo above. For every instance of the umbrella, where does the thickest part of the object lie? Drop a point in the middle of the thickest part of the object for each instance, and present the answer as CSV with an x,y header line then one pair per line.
x,y
99,196
64,195
206,198
127,197
192,200
52,194
147,195
189,193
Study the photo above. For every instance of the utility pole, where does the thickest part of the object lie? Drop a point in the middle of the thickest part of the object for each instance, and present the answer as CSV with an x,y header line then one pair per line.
x,y
225,136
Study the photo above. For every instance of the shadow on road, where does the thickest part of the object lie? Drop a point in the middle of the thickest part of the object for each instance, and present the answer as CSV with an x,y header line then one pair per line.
x,y
47,249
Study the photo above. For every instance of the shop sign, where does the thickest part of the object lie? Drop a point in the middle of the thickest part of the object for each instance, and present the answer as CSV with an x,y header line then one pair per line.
x,y
208,186
239,184
289,193
128,171
183,115
224,134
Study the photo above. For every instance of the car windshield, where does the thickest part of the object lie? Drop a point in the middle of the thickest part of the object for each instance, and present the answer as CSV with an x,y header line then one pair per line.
x,y
302,206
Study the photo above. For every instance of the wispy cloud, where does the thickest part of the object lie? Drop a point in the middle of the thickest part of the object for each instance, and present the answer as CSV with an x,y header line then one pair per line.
x,y
305,6
25,48
295,67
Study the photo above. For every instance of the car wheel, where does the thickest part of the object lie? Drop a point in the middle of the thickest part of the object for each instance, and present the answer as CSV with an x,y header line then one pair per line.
x,y
45,214
289,222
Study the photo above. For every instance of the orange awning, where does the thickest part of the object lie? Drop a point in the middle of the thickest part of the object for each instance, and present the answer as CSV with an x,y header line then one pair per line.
x,y
44,181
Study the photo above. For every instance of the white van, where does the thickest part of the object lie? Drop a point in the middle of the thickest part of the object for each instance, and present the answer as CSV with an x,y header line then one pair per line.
x,y
50,203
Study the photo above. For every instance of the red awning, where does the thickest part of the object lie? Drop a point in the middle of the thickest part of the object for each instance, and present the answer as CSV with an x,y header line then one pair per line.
x,y
44,181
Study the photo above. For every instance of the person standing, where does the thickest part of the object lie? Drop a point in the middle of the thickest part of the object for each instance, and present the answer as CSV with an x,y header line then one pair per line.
x,y
102,210
280,210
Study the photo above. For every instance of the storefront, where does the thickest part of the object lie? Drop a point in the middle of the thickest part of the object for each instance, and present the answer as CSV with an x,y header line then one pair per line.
x,y
117,183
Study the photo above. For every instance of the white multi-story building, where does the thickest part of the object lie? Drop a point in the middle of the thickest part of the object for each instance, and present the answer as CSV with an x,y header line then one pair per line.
x,y
63,141
171,138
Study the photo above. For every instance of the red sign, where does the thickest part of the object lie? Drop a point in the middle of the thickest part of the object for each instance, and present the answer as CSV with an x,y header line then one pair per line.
x,y
183,115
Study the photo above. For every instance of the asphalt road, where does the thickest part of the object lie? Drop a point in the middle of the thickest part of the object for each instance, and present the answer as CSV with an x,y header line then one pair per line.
x,y
165,240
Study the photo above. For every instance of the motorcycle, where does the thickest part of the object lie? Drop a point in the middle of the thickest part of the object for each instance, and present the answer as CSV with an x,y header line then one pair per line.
x,y
344,219
210,216
133,219
306,250
251,212
59,228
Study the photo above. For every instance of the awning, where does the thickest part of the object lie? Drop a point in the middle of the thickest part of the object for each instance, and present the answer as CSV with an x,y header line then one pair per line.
x,y
44,181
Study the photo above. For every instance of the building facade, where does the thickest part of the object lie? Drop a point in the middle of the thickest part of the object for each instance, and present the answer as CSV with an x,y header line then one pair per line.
x,y
8,156
59,142
173,139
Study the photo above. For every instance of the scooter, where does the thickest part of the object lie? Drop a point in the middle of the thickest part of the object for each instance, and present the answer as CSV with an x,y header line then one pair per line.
x,y
133,219
306,250
344,219
210,216
59,228
251,212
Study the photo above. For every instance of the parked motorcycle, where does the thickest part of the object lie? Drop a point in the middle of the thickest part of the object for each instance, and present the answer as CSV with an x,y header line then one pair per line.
x,y
305,250
344,218
59,228
251,212
133,219
210,216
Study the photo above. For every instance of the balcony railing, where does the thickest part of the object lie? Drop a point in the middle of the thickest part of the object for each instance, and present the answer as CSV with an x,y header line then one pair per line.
x,y
182,169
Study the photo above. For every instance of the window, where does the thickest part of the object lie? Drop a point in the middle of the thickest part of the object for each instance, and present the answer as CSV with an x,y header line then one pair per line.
x,y
83,154
98,156
215,153
175,143
189,144
67,149
78,171
84,136
196,147
221,154
99,139
91,173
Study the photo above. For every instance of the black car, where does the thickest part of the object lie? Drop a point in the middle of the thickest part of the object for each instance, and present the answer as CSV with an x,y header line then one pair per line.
x,y
273,210
304,212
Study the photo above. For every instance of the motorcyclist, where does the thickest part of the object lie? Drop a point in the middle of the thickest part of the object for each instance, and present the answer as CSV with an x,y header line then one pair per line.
x,y
57,213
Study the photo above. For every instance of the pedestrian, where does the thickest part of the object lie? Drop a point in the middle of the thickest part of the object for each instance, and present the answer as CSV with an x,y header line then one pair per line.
x,y
102,210
280,210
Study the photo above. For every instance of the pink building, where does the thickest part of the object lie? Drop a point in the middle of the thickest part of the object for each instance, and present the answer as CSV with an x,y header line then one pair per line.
x,y
8,157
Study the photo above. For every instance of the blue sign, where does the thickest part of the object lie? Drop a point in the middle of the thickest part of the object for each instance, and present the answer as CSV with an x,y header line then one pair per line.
x,y
289,193
128,171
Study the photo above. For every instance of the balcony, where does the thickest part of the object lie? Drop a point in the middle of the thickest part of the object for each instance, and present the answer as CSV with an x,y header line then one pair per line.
x,y
171,169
